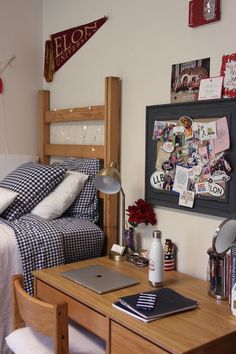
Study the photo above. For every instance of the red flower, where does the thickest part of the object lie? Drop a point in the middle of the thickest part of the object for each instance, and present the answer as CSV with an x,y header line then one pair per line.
x,y
141,212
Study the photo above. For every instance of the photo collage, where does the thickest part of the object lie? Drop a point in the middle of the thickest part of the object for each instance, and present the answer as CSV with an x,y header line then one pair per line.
x,y
192,157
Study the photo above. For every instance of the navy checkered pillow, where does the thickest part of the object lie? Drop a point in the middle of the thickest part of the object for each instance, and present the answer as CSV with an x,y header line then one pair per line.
x,y
32,182
85,205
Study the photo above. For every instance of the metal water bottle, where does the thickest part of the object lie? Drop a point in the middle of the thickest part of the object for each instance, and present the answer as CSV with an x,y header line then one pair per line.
x,y
156,261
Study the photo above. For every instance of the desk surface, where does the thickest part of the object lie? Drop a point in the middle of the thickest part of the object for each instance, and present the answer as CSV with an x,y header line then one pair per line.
x,y
194,331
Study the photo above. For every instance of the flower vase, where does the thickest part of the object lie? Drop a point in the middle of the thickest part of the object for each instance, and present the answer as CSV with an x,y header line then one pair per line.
x,y
129,239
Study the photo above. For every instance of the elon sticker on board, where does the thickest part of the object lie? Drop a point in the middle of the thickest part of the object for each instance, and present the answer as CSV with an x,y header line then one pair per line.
x,y
157,179
215,189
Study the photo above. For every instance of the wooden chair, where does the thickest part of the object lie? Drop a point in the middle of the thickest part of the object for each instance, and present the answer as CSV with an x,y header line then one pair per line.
x,y
42,328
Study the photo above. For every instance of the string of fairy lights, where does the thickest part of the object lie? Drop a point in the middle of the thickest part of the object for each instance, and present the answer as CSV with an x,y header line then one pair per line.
x,y
81,133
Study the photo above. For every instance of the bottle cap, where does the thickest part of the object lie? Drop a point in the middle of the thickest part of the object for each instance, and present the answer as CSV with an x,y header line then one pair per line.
x,y
156,234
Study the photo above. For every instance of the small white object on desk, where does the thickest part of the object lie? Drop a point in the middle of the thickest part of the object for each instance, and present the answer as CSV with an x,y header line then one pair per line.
x,y
156,261
118,249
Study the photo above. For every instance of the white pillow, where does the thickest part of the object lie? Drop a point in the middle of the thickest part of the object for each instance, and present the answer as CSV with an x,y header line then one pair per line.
x,y
54,205
6,198
26,341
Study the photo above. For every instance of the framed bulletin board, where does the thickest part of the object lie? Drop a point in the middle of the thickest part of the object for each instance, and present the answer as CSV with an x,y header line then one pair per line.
x,y
191,166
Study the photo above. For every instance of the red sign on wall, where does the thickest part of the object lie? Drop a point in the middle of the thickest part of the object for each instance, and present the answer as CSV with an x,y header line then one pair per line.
x,y
202,12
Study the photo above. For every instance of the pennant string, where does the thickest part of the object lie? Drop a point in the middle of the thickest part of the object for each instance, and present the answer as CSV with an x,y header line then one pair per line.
x,y
8,62
3,120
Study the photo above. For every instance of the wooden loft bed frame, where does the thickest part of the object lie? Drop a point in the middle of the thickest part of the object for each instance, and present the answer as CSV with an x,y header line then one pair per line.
x,y
110,151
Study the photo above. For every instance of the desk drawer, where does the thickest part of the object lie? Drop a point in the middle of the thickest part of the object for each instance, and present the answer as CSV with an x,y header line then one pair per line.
x,y
88,318
127,342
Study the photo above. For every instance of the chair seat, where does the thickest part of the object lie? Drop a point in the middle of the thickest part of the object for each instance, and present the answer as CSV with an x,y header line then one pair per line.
x,y
27,341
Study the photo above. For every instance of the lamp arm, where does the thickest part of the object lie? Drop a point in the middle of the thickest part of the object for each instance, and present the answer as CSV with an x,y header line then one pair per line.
x,y
123,216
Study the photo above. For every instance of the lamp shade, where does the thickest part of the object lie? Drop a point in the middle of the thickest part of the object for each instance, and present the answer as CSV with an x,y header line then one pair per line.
x,y
108,180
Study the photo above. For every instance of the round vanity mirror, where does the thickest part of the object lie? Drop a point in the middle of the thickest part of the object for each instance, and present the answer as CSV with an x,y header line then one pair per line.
x,y
224,236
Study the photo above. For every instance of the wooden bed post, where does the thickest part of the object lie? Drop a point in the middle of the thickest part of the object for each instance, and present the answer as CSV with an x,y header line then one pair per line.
x,y
44,106
112,153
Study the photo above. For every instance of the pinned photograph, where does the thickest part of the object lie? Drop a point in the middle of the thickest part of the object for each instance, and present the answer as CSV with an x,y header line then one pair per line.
x,y
186,199
208,131
178,136
187,123
163,131
181,179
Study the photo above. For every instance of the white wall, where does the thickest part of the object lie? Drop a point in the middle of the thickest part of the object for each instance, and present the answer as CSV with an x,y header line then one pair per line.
x,y
139,42
20,35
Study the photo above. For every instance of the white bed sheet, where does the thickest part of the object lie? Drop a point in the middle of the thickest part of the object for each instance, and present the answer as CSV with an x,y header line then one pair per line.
x,y
10,264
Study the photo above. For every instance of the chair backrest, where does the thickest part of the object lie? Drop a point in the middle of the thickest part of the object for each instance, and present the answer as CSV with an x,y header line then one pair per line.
x,y
48,319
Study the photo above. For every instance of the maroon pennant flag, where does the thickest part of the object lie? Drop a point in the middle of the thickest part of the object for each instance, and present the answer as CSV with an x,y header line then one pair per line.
x,y
66,43
63,45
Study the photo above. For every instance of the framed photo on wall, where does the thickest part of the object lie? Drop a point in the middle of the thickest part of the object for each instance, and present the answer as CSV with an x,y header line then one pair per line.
x,y
191,156
185,79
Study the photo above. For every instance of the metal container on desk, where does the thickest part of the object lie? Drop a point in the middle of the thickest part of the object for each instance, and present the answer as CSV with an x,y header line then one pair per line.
x,y
219,260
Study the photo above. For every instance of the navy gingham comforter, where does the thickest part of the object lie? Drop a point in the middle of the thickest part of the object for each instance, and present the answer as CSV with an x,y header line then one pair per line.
x,y
43,243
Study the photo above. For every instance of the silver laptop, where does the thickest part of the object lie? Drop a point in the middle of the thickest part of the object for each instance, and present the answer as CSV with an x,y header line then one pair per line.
x,y
99,278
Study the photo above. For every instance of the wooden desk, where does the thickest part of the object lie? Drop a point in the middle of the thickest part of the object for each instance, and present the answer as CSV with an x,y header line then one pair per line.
x,y
209,329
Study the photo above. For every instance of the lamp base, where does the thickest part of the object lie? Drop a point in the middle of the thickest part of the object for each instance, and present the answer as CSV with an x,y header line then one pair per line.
x,y
117,257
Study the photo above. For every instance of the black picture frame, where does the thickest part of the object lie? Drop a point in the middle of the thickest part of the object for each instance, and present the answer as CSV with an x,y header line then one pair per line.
x,y
223,207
